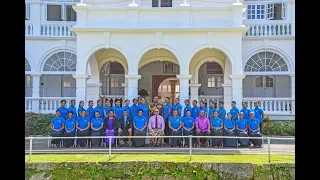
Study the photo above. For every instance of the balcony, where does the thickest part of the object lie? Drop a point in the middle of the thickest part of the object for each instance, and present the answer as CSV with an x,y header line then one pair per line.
x,y
268,28
49,29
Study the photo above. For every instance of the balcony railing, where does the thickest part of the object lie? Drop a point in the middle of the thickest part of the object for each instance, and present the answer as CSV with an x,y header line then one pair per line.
x,y
28,28
274,106
269,29
56,30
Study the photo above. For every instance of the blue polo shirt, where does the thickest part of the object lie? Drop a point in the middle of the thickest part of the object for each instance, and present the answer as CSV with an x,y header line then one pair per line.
x,y
177,107
253,123
145,109
63,112
229,123
134,110
234,111
246,113
242,124
195,111
80,108
204,109
96,123
83,122
70,124
211,110
216,123
139,121
74,111
258,113
185,110
175,122
166,110
127,108
222,113
99,109
57,122
118,111
188,121
107,109
90,112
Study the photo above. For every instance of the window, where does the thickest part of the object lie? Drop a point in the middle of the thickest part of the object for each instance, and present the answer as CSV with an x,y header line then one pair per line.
x,y
269,82
270,11
259,82
266,62
114,82
68,81
27,11
60,12
219,81
28,81
164,88
211,82
214,68
177,88
27,65
161,3
169,88
61,61
256,11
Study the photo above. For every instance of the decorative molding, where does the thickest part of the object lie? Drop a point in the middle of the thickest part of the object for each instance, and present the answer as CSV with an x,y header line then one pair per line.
x,y
237,77
124,84
194,85
80,76
292,75
35,75
158,39
181,77
138,77
94,84
106,40
210,39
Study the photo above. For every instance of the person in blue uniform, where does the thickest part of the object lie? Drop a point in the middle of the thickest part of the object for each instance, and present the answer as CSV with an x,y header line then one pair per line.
x,y
90,110
204,108
211,109
144,107
70,125
187,108
57,126
80,108
175,124
188,127
83,125
127,108
195,109
167,109
73,109
234,111
139,126
216,125
229,130
177,106
245,110
118,109
106,108
242,129
259,114
254,129
96,129
222,111
99,108
134,108
63,110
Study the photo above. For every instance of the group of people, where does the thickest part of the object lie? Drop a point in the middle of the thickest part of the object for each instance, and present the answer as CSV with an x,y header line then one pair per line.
x,y
156,119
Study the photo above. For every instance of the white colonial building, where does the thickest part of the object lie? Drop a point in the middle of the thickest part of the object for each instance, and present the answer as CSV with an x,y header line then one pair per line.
x,y
197,49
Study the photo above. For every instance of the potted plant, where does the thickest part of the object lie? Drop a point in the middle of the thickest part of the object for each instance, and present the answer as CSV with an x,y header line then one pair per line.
x,y
143,93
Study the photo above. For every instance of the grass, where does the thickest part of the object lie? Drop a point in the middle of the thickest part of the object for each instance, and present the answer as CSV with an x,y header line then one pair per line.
x,y
254,159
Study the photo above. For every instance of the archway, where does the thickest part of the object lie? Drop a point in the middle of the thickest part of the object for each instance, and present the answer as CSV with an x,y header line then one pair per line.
x,y
155,66
28,79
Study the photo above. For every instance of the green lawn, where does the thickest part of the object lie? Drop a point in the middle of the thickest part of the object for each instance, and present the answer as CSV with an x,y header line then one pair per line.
x,y
254,159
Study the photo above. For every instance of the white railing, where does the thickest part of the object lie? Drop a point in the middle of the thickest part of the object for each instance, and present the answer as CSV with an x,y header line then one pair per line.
x,y
28,28
207,99
274,106
28,104
56,30
112,98
269,29
50,104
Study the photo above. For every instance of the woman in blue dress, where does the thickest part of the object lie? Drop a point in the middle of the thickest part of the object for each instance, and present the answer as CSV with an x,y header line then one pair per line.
x,y
80,108
229,130
242,130
83,126
96,129
70,125
175,124
110,127
216,125
254,130
57,126
144,107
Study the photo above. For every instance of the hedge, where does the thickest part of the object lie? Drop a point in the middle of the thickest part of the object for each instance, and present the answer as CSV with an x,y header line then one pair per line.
x,y
39,124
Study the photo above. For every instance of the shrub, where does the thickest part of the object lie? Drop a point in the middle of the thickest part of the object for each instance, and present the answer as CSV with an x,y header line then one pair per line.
x,y
37,124
279,128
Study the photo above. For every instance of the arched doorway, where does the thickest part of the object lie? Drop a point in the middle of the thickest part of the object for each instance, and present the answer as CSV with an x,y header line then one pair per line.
x,y
168,88
156,66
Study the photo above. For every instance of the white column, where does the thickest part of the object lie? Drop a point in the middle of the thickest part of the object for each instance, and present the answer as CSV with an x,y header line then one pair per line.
x,y
35,18
184,89
237,89
293,93
133,86
93,92
35,92
194,92
227,96
81,85
125,86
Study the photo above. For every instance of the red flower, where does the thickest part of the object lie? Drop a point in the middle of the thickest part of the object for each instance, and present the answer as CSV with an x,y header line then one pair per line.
x,y
267,124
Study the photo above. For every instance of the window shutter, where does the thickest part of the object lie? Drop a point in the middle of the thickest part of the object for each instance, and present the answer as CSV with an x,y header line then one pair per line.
x,y
63,9
270,11
46,11
284,9
28,10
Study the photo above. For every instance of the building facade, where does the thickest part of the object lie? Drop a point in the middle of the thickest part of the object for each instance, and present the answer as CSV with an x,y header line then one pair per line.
x,y
220,50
